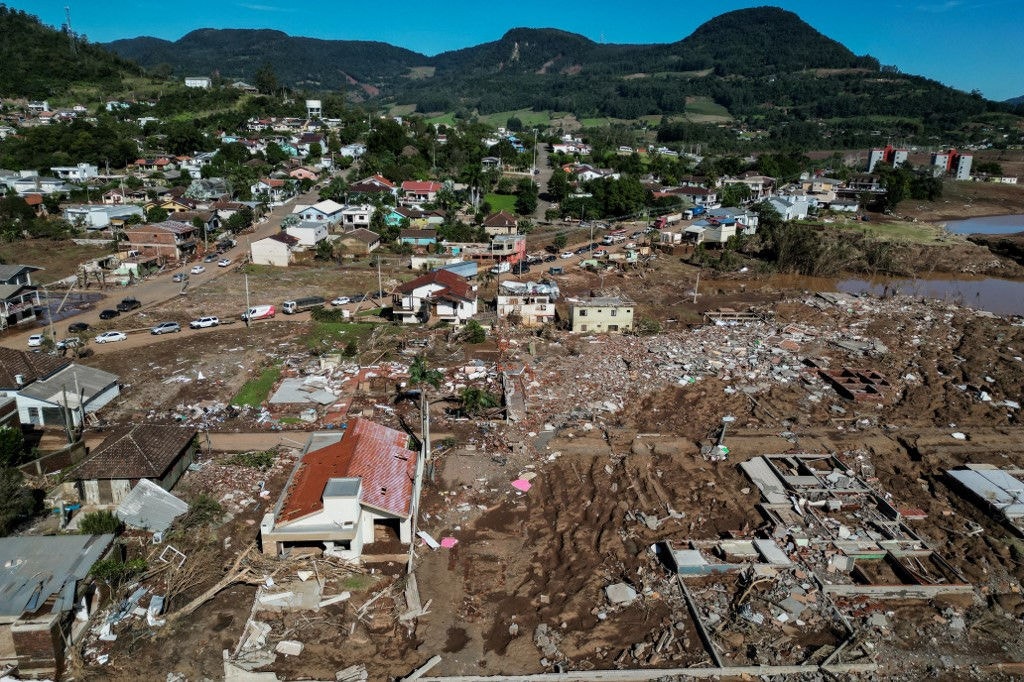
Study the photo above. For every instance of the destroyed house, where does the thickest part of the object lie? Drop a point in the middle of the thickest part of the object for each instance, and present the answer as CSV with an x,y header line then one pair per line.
x,y
51,391
42,586
346,491
998,491
160,453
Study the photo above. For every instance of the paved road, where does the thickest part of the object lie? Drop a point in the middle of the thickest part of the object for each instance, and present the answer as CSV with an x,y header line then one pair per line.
x,y
157,289
542,179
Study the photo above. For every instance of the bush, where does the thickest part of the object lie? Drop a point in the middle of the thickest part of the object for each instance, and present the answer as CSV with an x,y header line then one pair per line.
x,y
263,459
321,314
99,522
474,332
12,447
203,511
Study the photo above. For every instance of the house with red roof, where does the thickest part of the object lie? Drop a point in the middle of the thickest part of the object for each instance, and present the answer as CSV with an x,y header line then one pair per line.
x,y
274,190
419,192
440,295
345,489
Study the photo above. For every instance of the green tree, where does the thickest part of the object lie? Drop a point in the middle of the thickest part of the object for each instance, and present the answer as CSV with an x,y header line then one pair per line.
x,y
17,501
735,194
475,401
421,374
473,332
156,215
526,199
266,79
12,447
115,573
561,239
558,185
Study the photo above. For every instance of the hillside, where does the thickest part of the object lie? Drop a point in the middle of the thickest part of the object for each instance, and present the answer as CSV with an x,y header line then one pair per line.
x,y
39,61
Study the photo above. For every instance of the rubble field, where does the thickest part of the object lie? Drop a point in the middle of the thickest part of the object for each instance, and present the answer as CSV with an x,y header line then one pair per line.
x,y
617,447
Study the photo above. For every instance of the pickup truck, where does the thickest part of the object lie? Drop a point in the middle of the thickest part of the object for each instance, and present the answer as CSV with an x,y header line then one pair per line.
x,y
128,304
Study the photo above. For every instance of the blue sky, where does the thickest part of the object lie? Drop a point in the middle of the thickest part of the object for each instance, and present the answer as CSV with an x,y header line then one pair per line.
x,y
964,43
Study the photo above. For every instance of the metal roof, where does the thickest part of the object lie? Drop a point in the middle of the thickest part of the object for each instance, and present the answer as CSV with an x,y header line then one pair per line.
x,y
35,568
150,507
1001,490
65,384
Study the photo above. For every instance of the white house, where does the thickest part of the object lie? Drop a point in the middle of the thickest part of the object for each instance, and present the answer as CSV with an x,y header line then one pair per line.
x,y
791,208
308,233
18,296
326,211
79,173
441,294
198,82
346,486
356,216
533,303
277,250
353,150
50,390
276,190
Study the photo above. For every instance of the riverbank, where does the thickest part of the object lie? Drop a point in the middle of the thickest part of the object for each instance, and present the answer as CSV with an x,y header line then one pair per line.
x,y
962,200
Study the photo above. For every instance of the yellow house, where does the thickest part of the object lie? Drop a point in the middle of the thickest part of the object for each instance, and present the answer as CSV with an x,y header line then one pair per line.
x,y
601,314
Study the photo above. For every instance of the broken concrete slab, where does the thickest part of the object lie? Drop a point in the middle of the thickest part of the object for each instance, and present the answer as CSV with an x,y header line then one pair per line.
x,y
620,594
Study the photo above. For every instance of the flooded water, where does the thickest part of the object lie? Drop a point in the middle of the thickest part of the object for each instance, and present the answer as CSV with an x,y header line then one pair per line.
x,y
1000,224
1000,296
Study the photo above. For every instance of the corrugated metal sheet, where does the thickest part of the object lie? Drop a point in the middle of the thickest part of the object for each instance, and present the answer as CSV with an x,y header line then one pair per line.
x,y
150,507
996,487
35,568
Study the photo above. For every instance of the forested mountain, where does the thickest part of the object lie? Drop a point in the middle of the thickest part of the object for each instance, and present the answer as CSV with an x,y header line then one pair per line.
x,y
1015,101
37,61
307,63
762,64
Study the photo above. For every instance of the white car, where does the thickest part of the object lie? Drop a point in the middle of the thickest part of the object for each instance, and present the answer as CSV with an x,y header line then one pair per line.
x,y
35,340
568,254
107,337
341,300
198,269
223,262
204,322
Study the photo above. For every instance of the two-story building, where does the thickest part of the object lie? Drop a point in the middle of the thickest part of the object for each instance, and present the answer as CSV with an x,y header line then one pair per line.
x,y
530,304
501,222
18,296
439,295
275,190
508,248
308,233
416,192
326,211
169,240
79,173
354,217
50,390
601,314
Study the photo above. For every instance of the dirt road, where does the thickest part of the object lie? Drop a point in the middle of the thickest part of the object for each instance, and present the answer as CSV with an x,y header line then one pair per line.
x,y
159,288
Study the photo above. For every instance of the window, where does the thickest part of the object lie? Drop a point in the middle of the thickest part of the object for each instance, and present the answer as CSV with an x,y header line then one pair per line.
x,y
583,312
614,312
613,327
583,327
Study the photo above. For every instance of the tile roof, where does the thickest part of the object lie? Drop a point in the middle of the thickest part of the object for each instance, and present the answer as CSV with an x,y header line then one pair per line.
x,y
30,366
284,238
501,219
363,235
421,186
453,284
369,451
172,226
137,451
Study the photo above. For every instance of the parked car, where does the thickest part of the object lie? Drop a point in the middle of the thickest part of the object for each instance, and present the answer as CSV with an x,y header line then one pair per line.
x,y
550,259
181,276
223,262
35,340
198,269
568,254
600,253
357,298
166,328
210,258
341,300
108,337
637,234
77,327
109,314
70,342
128,304
204,322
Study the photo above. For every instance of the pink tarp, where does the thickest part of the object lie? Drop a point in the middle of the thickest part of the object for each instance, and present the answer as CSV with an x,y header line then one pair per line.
x,y
521,484
449,542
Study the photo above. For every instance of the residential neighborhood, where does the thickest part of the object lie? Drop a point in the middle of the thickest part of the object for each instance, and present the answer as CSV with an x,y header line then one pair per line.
x,y
296,385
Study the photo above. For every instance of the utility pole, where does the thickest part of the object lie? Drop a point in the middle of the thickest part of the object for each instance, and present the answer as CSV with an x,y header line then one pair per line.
x,y
421,463
380,285
247,306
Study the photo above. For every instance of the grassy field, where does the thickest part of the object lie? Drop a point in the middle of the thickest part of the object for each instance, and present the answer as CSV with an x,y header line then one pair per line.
x,y
703,109
501,202
58,259
334,336
402,109
917,233
447,119
529,117
417,72
256,390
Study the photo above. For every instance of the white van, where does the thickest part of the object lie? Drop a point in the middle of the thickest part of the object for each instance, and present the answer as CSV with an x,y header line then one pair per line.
x,y
259,312
501,267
